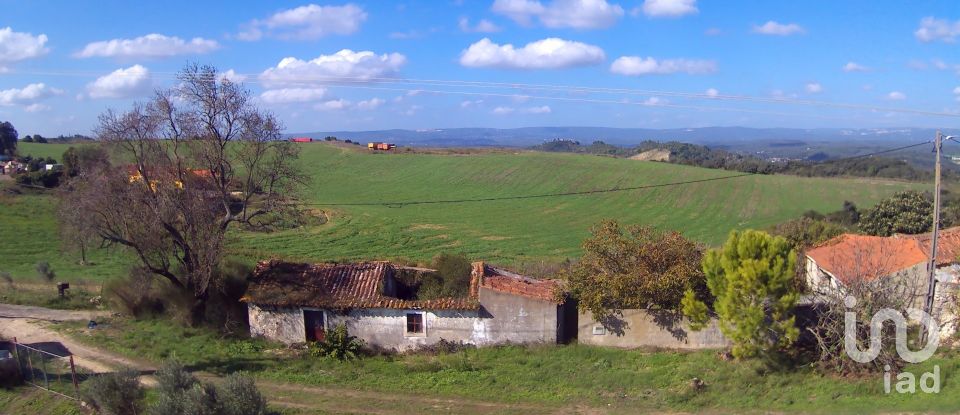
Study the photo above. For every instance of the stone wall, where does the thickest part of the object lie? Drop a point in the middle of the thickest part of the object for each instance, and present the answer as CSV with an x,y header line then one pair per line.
x,y
649,328
276,323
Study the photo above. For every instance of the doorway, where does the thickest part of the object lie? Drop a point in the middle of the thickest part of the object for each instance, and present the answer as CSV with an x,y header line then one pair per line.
x,y
313,325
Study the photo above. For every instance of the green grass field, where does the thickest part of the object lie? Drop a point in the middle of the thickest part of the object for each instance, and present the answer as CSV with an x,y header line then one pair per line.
x,y
508,232
619,381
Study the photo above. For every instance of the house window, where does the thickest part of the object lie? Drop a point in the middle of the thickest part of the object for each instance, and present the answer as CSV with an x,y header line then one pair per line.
x,y
414,323
599,331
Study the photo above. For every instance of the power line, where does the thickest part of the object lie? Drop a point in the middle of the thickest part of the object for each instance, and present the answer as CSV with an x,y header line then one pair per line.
x,y
586,192
351,82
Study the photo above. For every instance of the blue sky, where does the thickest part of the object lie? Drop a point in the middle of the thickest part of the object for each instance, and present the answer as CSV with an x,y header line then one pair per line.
x,y
628,63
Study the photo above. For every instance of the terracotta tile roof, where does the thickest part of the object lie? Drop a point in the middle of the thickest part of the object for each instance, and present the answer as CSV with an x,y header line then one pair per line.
x,y
851,256
507,282
948,245
336,286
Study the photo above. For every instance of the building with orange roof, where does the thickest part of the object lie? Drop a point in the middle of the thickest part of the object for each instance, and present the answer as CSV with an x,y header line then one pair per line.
x,y
295,302
850,257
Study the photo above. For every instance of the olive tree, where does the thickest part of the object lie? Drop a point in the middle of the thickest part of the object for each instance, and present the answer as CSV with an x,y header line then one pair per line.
x,y
909,212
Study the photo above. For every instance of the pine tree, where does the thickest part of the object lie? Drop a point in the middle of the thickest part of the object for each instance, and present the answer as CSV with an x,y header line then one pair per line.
x,y
751,279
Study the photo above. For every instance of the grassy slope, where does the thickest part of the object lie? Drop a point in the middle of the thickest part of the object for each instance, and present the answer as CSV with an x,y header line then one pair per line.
x,y
514,230
627,381
503,231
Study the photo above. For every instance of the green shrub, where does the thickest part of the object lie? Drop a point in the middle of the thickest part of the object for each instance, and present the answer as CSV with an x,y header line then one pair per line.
x,y
239,396
339,345
173,381
180,393
201,399
45,271
115,393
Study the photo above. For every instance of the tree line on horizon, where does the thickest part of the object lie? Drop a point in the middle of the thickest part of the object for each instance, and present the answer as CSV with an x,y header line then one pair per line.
x,y
819,165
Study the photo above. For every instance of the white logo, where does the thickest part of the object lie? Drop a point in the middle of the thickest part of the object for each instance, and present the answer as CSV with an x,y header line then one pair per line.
x,y
906,380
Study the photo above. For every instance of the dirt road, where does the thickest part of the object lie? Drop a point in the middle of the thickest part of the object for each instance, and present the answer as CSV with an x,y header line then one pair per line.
x,y
28,325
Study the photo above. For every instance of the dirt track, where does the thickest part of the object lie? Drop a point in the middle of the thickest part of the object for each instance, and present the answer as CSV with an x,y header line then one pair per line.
x,y
27,324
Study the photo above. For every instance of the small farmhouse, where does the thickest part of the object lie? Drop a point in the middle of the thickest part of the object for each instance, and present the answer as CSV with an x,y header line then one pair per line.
x,y
849,257
293,303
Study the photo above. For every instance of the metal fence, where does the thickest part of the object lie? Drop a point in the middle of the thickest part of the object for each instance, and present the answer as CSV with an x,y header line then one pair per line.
x,y
50,367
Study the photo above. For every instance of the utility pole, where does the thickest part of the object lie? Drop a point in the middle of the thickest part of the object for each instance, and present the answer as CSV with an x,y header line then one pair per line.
x,y
932,267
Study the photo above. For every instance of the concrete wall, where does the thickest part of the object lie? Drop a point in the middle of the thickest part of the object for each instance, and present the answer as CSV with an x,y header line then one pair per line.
x,y
515,319
502,318
649,328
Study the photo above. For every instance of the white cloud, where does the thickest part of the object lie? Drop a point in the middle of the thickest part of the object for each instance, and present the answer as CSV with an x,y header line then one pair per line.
x,y
483,26
779,29
27,95
636,66
712,92
544,109
933,29
669,8
18,46
36,108
956,93
934,63
412,110
896,96
121,83
854,67
468,103
652,101
370,104
153,45
290,95
333,105
355,66
779,94
308,22
410,34
233,76
550,53
813,88
576,14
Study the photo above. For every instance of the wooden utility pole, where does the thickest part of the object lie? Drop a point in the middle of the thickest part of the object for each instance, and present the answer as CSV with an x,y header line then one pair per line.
x,y
932,267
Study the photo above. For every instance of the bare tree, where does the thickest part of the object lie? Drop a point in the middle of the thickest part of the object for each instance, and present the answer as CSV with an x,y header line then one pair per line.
x,y
188,164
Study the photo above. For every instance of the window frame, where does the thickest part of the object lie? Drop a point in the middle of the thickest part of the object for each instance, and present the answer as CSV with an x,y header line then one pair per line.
x,y
406,324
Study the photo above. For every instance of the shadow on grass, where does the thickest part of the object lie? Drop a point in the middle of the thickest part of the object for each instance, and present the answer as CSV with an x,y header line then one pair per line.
x,y
226,366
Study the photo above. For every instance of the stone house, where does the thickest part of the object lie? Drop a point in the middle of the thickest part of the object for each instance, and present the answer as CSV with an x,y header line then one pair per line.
x,y
832,265
294,303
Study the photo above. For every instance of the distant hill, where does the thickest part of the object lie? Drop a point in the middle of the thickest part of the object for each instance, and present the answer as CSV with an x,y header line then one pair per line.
x,y
763,143
786,138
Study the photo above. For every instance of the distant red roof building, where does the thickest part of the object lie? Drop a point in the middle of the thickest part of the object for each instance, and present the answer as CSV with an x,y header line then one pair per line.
x,y
301,140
